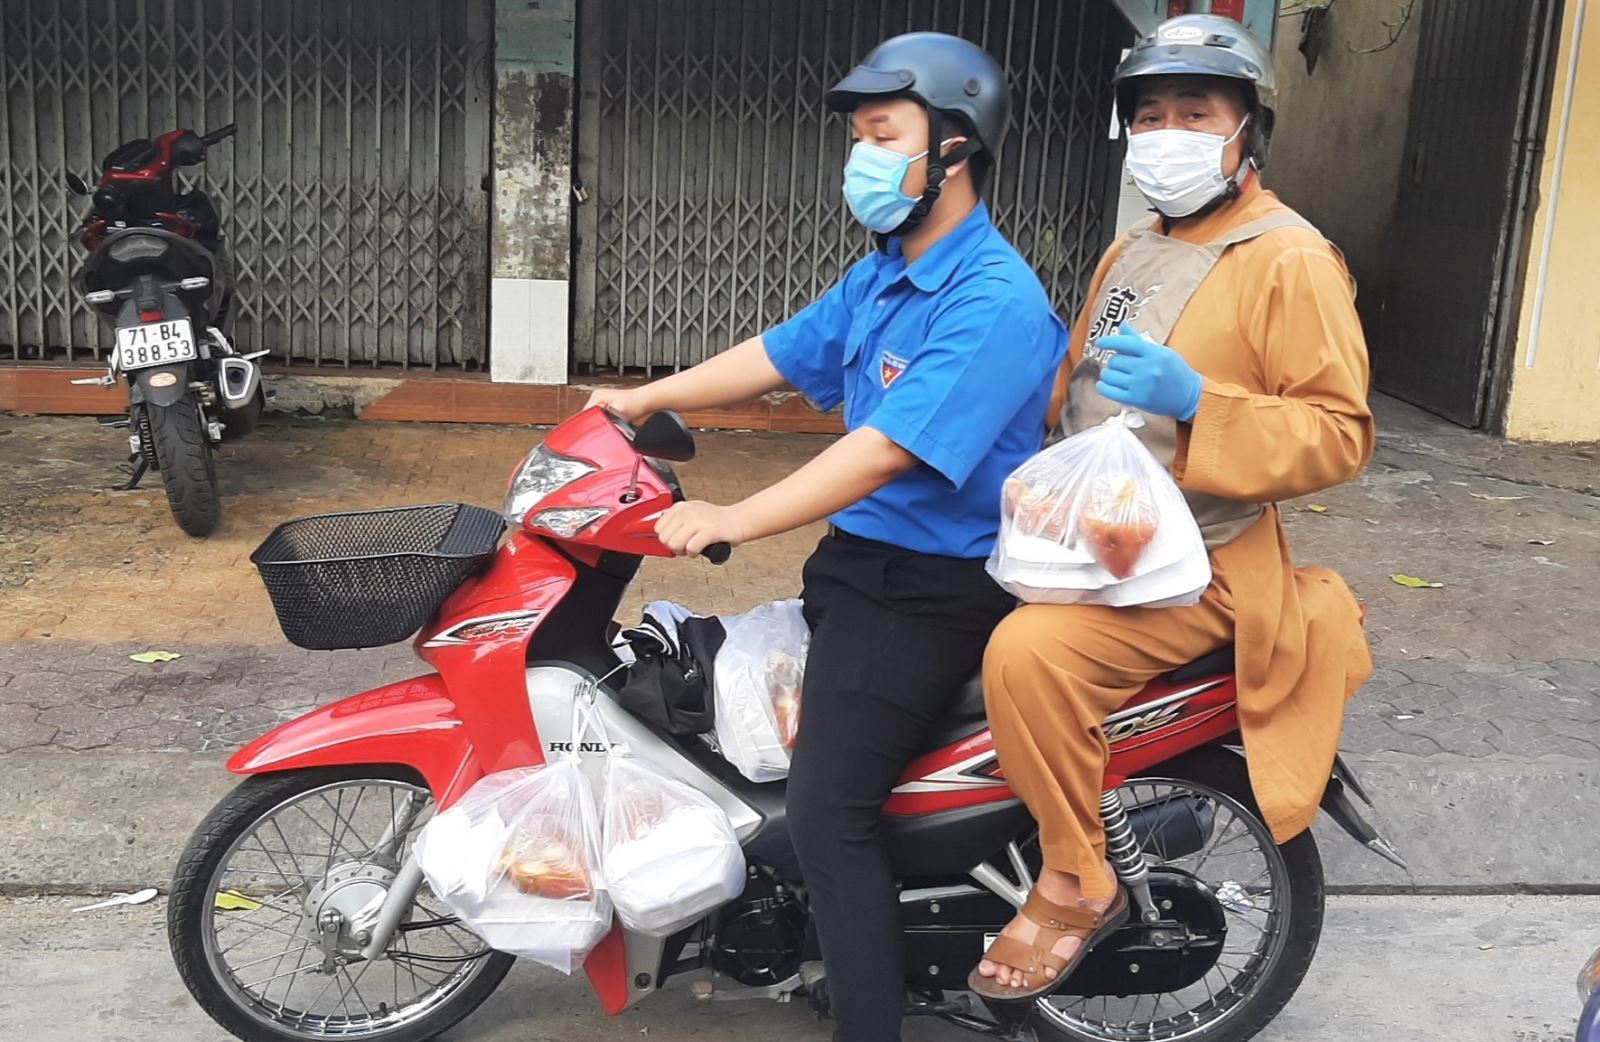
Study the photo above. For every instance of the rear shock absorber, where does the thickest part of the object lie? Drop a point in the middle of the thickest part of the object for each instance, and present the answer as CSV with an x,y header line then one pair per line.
x,y
1122,850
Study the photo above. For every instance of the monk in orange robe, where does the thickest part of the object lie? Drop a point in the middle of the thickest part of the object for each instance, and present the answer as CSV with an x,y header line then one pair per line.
x,y
1230,323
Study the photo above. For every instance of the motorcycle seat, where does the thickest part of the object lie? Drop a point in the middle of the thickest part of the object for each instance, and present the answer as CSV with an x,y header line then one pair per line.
x,y
967,715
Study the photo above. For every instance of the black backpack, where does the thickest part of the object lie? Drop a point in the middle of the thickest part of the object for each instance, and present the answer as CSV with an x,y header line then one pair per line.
x,y
669,683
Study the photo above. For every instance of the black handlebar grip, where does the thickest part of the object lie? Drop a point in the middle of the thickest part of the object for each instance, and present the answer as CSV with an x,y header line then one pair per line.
x,y
220,134
717,553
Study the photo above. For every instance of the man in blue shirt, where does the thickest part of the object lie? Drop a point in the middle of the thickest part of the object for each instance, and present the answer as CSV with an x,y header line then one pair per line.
x,y
941,345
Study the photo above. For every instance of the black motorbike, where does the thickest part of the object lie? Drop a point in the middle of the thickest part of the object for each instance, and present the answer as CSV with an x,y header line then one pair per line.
x,y
159,276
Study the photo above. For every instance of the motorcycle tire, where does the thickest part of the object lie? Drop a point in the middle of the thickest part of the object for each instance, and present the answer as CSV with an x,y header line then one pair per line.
x,y
1223,770
188,471
234,817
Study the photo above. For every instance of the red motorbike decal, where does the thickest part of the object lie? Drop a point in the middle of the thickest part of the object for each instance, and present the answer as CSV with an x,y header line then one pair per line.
x,y
1162,723
528,577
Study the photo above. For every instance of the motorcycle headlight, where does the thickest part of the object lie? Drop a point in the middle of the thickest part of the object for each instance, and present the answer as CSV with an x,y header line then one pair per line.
x,y
542,473
1589,979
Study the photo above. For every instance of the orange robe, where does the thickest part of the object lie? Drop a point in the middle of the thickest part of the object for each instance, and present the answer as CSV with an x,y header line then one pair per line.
x,y
1273,331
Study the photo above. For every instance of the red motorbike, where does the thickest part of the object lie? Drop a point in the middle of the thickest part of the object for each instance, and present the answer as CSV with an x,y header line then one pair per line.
x,y
298,912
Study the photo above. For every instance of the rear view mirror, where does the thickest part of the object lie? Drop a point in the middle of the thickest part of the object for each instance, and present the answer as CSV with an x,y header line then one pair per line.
x,y
664,436
76,186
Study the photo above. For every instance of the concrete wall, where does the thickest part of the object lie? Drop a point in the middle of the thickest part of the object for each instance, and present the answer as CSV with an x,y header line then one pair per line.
x,y
531,240
1555,390
1341,135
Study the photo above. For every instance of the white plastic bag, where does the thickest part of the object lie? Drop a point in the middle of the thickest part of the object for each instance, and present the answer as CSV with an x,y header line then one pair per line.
x,y
1094,519
518,859
669,854
757,679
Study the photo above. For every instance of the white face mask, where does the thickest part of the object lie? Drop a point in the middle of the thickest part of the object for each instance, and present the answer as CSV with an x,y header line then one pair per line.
x,y
1179,171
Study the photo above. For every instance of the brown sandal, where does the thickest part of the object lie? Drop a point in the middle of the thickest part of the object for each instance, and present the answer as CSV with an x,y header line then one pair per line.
x,y
1055,922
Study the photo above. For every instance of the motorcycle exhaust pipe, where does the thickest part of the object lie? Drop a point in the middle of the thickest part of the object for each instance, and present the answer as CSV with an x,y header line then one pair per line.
x,y
1173,828
238,379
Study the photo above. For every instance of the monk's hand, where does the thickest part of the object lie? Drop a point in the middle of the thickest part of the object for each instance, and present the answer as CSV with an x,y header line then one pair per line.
x,y
688,528
1148,376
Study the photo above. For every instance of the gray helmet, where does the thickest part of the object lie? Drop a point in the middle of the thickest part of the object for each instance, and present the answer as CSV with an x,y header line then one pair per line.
x,y
946,73
1204,45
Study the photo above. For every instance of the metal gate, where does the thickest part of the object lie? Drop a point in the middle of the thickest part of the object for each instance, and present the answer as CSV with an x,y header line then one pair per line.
x,y
1477,125
710,169
352,197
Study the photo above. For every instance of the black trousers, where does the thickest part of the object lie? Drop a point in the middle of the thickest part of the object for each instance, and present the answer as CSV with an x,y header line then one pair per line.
x,y
894,636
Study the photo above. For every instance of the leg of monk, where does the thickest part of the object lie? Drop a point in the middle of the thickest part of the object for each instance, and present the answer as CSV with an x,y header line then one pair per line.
x,y
1051,675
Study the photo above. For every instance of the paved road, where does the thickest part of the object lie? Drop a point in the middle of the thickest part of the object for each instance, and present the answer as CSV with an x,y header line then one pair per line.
x,y
1391,969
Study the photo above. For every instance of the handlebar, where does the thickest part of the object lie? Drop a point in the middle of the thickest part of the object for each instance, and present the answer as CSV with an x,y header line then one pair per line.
x,y
717,553
220,134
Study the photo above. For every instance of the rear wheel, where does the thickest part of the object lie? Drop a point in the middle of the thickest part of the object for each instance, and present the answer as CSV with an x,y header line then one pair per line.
x,y
1270,897
188,472
272,897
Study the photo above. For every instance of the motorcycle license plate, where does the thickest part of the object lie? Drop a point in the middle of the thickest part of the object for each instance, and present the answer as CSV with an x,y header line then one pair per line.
x,y
156,343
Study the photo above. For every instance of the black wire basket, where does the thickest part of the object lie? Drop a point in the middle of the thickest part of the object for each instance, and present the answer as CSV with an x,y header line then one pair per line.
x,y
367,578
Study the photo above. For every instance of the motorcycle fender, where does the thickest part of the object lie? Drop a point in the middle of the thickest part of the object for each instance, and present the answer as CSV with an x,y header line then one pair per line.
x,y
143,390
412,723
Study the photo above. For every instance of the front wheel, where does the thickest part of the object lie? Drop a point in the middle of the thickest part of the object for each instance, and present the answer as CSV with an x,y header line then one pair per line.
x,y
1269,897
188,472
270,904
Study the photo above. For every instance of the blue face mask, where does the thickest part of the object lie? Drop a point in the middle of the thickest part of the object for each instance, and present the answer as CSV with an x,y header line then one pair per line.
x,y
872,180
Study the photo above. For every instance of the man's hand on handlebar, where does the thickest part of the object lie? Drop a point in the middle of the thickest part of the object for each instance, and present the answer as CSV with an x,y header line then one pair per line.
x,y
691,527
626,402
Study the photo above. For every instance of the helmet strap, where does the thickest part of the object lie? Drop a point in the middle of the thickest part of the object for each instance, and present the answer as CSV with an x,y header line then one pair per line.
x,y
937,167
1234,189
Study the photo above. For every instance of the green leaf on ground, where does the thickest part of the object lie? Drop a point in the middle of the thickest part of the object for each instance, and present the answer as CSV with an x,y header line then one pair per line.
x,y
1412,582
155,656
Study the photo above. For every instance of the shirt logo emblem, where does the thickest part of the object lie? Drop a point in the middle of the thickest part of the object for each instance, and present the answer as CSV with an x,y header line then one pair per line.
x,y
889,369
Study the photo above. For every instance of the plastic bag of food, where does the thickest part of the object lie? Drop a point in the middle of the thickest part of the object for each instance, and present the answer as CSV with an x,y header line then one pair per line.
x,y
756,681
517,858
1094,519
669,853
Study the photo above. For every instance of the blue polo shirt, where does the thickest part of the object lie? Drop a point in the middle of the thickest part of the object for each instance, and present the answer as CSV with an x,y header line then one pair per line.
x,y
952,358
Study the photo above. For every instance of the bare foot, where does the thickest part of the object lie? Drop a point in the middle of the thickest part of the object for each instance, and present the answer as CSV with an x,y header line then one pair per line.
x,y
1063,889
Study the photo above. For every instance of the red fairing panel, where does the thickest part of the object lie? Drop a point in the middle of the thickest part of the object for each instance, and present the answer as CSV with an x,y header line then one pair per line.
x,y
632,494
412,722
1167,721
607,969
154,170
1162,723
479,643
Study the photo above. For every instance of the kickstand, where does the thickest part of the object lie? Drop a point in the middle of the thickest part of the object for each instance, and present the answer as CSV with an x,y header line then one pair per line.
x,y
1012,1021
135,472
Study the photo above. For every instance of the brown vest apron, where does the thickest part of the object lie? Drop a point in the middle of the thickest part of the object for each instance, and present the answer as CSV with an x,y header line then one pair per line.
x,y
1149,285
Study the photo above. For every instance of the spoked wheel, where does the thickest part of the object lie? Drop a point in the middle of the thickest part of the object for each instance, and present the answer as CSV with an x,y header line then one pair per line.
x,y
274,898
1268,900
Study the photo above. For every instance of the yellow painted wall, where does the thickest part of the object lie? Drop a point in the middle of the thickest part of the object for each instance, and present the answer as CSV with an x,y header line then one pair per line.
x,y
1557,398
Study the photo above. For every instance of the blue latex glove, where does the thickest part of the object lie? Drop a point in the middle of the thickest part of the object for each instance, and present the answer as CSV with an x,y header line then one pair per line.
x,y
1148,376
